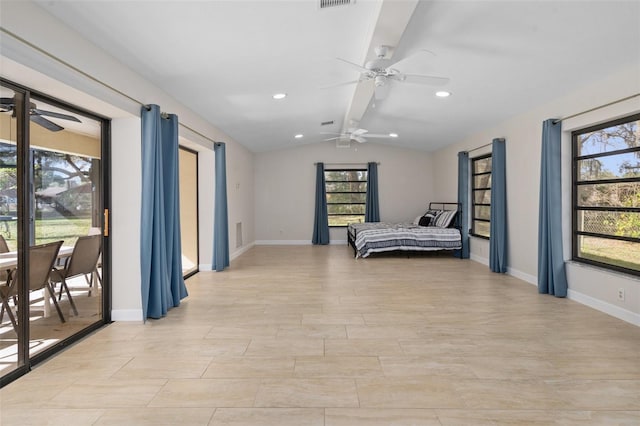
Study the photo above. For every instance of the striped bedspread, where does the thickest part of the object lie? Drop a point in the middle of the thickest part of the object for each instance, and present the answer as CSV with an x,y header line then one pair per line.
x,y
380,237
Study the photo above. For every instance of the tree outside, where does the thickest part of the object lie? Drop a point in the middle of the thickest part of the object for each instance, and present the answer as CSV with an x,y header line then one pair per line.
x,y
346,192
609,183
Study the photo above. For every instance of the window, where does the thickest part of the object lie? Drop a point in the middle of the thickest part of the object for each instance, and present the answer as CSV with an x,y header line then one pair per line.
x,y
606,195
481,196
346,195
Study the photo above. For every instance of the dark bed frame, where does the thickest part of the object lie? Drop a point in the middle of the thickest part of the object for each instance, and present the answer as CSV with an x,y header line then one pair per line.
x,y
433,205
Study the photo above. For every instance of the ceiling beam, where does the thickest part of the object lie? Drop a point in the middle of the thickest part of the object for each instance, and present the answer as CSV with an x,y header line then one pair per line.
x,y
393,19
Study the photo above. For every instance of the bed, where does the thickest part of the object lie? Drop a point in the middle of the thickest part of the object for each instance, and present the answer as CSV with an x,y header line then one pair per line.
x,y
441,233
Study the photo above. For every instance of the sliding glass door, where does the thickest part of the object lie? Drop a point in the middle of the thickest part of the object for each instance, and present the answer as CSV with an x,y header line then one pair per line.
x,y
52,213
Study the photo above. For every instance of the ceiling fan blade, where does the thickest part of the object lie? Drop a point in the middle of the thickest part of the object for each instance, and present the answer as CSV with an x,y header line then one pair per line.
x,y
422,79
55,115
333,139
358,139
376,135
411,55
356,67
359,132
347,83
49,125
7,102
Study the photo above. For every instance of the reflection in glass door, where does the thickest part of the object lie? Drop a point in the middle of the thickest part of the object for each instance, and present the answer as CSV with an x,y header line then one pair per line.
x,y
51,198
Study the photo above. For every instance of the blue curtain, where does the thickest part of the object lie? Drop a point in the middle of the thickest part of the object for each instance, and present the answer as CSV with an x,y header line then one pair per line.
x,y
552,278
160,247
321,218
372,205
498,227
463,200
221,219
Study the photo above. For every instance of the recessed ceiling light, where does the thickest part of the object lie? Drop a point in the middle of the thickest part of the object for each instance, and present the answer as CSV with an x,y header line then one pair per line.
x,y
279,96
443,94
299,136
393,135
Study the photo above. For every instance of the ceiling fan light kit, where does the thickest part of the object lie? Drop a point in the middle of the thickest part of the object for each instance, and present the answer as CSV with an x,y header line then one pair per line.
x,y
381,70
358,135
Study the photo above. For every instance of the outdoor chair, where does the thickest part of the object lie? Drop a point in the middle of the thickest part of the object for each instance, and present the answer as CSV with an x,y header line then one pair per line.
x,y
4,248
83,261
41,261
95,231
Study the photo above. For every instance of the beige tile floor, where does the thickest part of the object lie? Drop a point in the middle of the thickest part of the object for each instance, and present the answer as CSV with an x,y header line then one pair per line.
x,y
45,332
311,336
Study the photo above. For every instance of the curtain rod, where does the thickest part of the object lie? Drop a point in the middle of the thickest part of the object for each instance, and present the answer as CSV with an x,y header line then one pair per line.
x,y
595,108
92,78
479,147
485,145
346,164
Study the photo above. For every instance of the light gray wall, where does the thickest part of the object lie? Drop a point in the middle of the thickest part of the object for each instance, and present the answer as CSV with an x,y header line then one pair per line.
x,y
32,69
284,180
285,187
523,134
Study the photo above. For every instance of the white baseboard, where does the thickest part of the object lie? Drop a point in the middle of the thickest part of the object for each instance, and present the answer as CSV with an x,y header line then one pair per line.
x,y
479,259
531,279
599,305
126,315
283,242
583,299
234,255
294,242
607,308
241,250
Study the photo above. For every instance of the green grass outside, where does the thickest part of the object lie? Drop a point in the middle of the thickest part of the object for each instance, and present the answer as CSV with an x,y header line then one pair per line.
x,y
49,230
345,220
612,252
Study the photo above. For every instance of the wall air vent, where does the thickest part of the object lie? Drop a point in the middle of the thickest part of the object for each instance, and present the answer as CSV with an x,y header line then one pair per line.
x,y
323,4
326,123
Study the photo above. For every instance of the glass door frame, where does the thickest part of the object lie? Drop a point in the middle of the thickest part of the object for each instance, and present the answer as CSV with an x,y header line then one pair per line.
x,y
23,96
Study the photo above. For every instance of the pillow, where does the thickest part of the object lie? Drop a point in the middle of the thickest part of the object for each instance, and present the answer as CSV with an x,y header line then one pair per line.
x,y
416,221
432,213
444,218
425,221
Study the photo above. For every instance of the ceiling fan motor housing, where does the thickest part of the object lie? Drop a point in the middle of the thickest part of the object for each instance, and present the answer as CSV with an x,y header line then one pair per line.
x,y
378,65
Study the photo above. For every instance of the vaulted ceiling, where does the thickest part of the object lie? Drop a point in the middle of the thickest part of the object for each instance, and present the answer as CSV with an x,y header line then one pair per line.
x,y
225,60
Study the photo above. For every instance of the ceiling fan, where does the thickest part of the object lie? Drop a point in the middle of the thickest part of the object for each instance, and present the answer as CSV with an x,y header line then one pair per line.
x,y
382,72
37,115
357,135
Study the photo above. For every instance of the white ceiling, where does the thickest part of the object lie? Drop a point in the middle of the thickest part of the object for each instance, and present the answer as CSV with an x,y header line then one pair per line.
x,y
224,59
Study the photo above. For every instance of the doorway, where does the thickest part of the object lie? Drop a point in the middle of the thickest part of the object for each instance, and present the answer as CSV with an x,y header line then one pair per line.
x,y
188,165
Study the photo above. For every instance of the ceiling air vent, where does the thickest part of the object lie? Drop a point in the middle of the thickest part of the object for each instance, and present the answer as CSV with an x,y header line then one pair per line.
x,y
326,123
323,4
343,143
